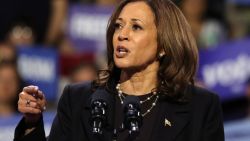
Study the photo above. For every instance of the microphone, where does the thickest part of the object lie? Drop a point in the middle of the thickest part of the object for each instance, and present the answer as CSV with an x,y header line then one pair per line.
x,y
132,115
100,100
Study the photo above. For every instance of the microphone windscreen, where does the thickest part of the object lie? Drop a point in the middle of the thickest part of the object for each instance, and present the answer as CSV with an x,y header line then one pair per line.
x,y
134,100
101,95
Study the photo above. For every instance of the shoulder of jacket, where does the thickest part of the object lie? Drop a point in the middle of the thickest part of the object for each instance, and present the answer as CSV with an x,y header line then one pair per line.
x,y
204,96
80,85
77,91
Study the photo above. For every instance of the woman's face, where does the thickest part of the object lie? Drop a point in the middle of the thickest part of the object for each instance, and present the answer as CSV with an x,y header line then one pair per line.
x,y
8,84
135,37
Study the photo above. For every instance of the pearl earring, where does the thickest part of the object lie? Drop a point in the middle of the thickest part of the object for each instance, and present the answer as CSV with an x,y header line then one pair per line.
x,y
161,55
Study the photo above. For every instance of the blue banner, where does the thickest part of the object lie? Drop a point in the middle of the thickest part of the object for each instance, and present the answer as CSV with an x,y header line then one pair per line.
x,y
226,68
8,125
87,26
39,66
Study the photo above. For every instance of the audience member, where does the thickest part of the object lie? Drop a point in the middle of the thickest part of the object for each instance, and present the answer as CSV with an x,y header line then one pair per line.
x,y
10,86
21,34
56,23
7,52
35,12
83,72
207,31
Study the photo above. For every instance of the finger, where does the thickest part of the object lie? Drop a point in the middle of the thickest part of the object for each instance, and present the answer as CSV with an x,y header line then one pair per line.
x,y
31,89
26,96
42,104
26,103
40,94
29,110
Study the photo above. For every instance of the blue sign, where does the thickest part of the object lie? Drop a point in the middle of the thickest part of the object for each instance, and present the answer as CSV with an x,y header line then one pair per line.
x,y
39,66
87,26
226,68
8,125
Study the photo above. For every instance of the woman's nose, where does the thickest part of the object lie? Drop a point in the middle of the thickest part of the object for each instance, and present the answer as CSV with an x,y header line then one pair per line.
x,y
123,35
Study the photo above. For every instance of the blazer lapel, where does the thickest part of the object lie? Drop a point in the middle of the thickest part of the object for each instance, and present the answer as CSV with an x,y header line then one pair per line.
x,y
171,120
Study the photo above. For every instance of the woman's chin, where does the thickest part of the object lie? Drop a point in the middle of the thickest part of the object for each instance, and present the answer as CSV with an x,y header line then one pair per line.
x,y
122,66
128,68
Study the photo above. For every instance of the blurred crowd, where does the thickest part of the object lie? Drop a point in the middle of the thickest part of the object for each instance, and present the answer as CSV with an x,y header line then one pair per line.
x,y
27,23
43,22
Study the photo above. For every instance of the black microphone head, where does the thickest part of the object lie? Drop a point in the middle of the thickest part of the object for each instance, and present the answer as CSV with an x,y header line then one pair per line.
x,y
101,95
100,101
132,115
134,100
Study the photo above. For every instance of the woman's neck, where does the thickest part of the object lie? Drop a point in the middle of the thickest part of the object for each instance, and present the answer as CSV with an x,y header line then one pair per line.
x,y
139,82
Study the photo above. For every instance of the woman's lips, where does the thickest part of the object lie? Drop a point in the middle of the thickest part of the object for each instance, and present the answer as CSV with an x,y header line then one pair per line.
x,y
121,52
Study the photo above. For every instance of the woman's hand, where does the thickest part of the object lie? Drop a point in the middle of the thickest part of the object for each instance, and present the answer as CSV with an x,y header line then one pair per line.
x,y
31,103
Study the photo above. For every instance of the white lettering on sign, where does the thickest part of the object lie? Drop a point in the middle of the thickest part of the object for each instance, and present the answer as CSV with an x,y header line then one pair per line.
x,y
89,26
36,68
228,72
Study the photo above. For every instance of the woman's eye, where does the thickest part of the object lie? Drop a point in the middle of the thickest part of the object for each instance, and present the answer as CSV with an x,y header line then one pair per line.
x,y
136,27
118,26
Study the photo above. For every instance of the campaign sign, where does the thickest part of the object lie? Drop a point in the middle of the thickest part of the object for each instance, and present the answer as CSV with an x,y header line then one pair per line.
x,y
226,68
86,26
39,66
8,125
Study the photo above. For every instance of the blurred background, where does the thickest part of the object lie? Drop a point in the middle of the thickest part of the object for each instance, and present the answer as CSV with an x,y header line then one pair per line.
x,y
50,43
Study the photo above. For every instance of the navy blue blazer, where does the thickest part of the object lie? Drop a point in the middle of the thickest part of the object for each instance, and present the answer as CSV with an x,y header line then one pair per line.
x,y
198,120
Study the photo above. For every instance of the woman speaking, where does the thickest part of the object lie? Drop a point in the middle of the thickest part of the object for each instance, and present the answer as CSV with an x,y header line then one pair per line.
x,y
152,57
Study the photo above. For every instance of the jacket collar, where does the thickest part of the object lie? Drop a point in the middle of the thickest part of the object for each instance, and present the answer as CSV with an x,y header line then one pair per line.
x,y
171,119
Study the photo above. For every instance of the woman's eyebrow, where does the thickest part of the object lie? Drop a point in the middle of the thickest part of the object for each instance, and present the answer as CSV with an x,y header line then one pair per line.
x,y
133,20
